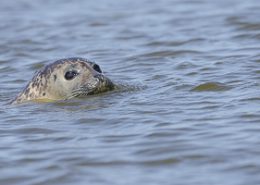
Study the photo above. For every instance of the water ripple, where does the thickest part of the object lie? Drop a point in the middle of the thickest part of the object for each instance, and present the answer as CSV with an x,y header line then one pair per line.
x,y
186,103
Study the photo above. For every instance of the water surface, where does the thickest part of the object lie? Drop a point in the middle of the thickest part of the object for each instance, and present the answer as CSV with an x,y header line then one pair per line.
x,y
191,113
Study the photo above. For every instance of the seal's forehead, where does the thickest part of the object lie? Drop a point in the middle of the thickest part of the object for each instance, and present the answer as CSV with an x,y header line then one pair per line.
x,y
64,62
71,61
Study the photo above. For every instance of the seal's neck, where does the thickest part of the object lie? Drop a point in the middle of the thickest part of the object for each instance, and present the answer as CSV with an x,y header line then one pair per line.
x,y
36,89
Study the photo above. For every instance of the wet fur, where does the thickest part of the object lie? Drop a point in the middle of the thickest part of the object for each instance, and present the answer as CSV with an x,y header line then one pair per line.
x,y
46,85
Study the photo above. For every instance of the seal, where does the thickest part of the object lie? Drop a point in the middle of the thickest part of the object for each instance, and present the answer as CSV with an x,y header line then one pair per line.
x,y
65,79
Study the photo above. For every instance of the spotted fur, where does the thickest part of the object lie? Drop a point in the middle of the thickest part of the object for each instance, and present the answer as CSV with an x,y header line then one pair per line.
x,y
50,84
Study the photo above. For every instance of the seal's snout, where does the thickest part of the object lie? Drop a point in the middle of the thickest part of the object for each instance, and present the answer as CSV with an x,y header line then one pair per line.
x,y
100,77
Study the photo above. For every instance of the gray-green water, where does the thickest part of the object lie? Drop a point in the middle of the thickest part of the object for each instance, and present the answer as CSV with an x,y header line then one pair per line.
x,y
191,114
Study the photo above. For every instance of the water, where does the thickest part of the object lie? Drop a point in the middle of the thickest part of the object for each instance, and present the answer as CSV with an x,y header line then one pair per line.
x,y
190,113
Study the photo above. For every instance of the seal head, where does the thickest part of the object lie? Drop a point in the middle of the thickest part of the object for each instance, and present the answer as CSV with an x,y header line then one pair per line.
x,y
65,79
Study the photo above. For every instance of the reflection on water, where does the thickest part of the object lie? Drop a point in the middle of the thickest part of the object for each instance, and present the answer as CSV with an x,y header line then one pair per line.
x,y
186,110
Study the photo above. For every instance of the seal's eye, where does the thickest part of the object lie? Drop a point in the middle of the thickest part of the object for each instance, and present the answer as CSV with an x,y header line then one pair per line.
x,y
70,75
97,68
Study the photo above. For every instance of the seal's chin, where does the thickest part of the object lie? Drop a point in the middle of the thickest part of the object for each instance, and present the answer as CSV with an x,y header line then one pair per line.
x,y
100,84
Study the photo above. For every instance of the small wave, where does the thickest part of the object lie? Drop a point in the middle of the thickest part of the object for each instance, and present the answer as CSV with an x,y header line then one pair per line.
x,y
211,86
